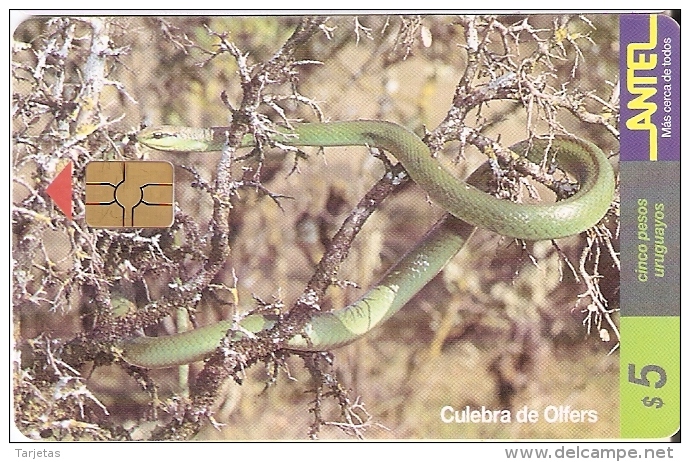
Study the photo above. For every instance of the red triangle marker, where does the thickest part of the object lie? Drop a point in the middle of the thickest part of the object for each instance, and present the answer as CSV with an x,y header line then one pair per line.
x,y
60,190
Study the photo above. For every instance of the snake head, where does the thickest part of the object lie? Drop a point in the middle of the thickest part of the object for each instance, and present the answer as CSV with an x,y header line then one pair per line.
x,y
171,138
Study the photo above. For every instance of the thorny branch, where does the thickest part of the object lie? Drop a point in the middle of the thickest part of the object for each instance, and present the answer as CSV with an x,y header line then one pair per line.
x,y
510,80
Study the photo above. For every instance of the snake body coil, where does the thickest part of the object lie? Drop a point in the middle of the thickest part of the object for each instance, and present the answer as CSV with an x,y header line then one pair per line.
x,y
471,207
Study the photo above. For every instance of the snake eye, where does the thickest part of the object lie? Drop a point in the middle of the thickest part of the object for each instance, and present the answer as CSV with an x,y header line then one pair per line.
x,y
157,135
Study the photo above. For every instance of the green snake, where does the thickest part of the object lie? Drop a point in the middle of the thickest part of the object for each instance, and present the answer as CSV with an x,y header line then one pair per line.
x,y
470,206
